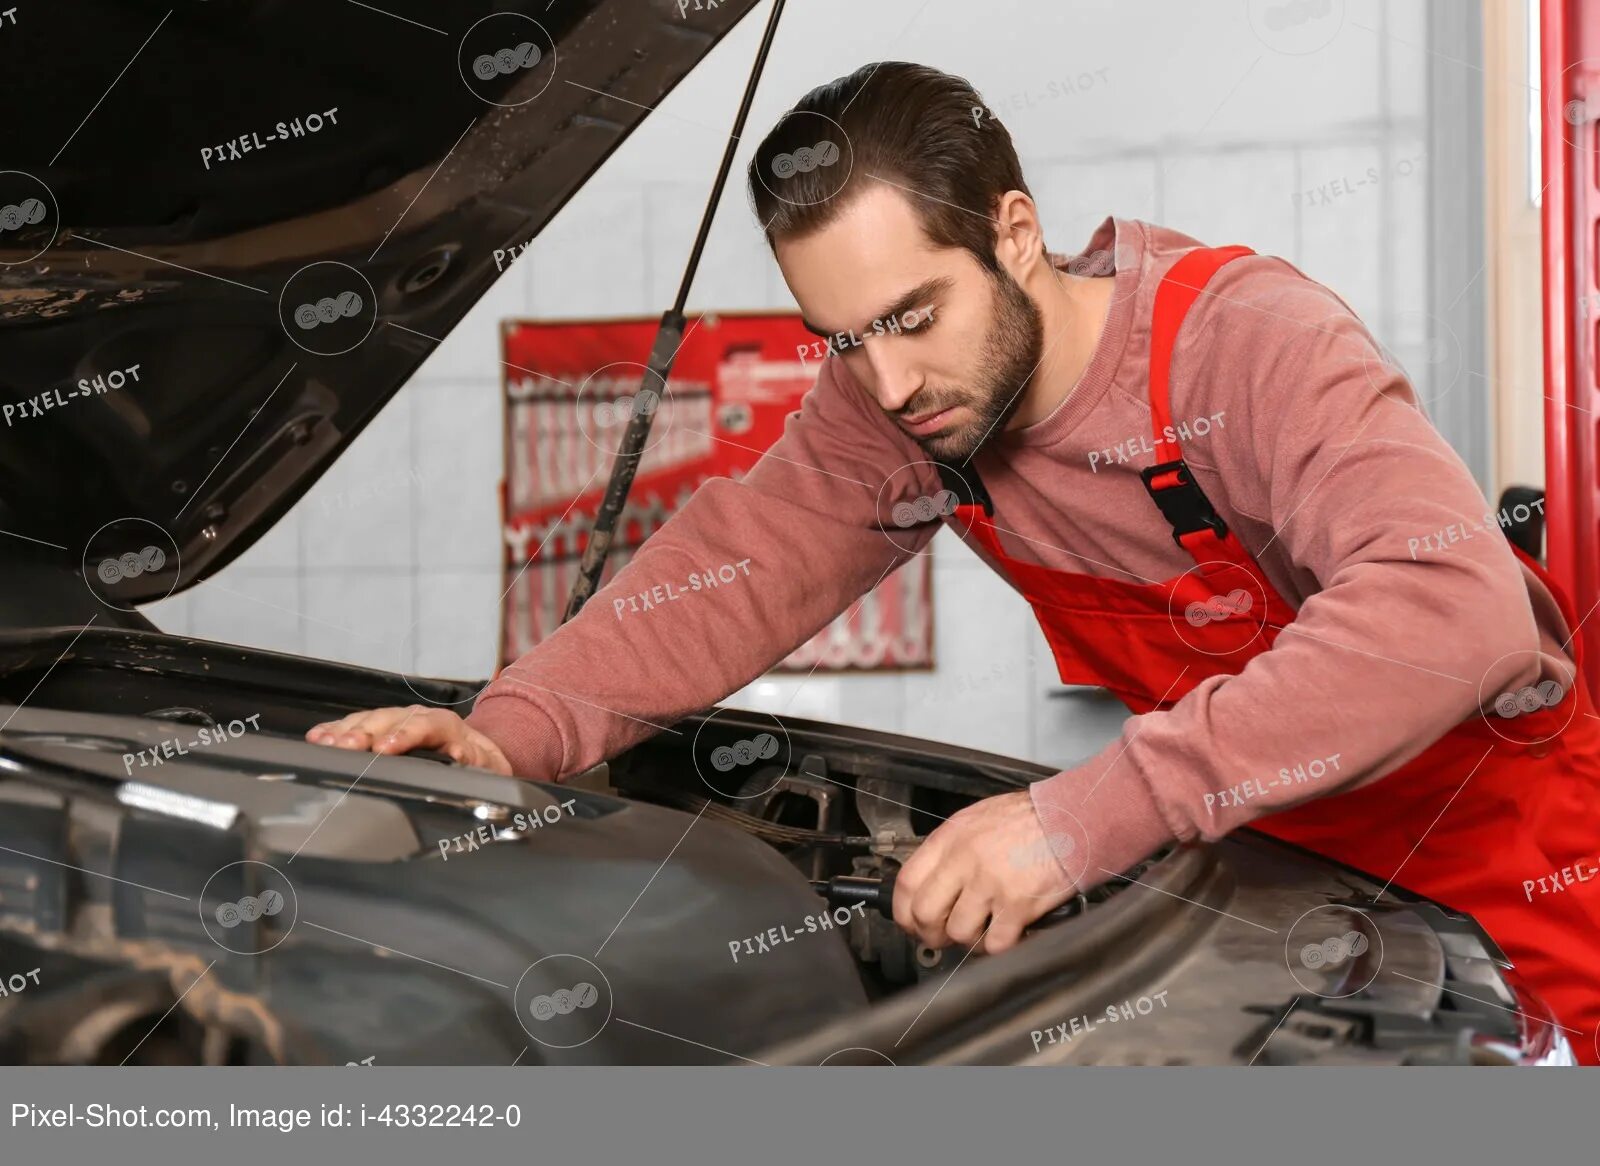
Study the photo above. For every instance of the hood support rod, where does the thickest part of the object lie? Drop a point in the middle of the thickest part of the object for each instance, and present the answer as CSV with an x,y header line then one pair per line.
x,y
664,350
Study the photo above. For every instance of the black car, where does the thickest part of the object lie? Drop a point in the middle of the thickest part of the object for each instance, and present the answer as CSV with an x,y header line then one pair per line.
x,y
184,879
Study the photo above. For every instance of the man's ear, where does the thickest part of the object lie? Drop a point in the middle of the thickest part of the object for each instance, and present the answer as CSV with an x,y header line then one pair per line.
x,y
1019,237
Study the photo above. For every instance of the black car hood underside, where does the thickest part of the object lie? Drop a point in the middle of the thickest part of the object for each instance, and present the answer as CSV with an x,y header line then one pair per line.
x,y
150,253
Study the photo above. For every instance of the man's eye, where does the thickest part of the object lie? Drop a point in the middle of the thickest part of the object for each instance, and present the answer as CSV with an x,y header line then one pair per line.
x,y
898,327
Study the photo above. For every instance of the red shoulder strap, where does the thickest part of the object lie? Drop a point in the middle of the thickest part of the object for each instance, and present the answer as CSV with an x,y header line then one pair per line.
x,y
1178,289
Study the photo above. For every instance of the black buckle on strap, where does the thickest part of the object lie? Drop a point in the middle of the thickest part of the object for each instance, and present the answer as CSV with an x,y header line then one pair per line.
x,y
1183,504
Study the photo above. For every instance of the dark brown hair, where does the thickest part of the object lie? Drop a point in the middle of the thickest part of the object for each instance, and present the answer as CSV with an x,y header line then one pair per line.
x,y
904,124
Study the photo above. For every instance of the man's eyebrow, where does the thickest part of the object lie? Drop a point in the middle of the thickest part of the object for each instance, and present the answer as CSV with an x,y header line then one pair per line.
x,y
917,297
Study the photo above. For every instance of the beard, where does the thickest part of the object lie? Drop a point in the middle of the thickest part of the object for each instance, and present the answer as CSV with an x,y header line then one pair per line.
x,y
1006,363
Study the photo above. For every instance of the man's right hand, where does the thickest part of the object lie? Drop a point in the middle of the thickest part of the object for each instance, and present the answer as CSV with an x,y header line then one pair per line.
x,y
400,730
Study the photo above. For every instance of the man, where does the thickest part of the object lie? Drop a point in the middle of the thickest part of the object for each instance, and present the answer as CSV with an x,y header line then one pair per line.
x,y
1219,496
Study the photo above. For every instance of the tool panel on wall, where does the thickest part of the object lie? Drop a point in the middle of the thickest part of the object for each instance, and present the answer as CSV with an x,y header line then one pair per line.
x,y
570,388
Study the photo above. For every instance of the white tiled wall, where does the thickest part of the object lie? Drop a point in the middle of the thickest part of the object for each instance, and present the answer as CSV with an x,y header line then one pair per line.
x,y
1176,111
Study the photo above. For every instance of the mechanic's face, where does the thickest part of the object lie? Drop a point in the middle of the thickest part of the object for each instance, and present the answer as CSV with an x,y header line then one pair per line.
x,y
954,375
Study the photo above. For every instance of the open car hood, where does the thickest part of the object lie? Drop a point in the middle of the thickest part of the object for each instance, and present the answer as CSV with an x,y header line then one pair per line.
x,y
204,299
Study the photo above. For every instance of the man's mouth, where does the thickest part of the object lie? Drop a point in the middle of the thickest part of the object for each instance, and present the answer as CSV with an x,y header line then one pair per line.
x,y
927,424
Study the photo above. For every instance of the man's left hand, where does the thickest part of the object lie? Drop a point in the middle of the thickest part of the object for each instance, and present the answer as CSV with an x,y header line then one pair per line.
x,y
987,871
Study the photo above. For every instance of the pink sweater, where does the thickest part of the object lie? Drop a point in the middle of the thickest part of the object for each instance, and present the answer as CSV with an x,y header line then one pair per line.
x,y
1412,608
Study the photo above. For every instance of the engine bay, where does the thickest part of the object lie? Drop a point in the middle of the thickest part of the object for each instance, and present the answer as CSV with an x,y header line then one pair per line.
x,y
136,755
168,835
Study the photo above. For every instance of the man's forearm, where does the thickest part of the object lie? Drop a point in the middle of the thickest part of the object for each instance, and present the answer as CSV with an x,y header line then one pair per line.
x,y
745,573
725,590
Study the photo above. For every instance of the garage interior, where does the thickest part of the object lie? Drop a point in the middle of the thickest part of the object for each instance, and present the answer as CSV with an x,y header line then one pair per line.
x,y
1398,165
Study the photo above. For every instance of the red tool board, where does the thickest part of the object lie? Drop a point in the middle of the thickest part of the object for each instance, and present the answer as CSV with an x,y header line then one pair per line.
x,y
568,387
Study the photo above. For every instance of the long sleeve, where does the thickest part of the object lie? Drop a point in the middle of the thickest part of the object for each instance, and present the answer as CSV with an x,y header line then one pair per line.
x,y
1406,630
743,574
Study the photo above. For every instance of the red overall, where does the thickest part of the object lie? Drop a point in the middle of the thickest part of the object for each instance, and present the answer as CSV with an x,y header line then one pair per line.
x,y
1528,810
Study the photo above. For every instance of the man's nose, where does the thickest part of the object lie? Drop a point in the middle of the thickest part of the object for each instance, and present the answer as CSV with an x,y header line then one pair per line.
x,y
896,382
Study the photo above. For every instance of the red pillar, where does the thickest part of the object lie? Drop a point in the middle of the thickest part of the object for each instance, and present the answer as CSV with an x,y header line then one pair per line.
x,y
1570,87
